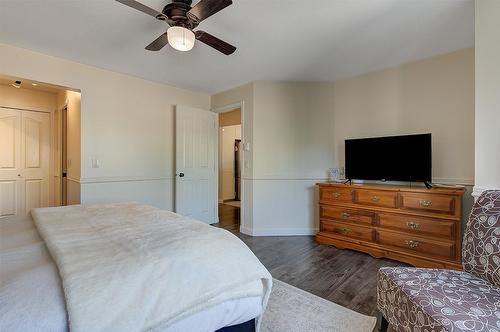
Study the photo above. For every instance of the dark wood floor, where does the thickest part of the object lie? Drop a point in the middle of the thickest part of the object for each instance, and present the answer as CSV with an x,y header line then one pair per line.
x,y
229,217
345,277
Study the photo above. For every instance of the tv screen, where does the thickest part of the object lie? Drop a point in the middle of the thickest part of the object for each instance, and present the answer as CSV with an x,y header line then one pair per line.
x,y
394,158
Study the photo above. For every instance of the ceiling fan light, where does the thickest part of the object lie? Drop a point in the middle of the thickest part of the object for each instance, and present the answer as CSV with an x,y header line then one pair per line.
x,y
180,38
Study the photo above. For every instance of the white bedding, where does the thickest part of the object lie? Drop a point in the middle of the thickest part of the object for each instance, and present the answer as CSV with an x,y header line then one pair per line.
x,y
32,298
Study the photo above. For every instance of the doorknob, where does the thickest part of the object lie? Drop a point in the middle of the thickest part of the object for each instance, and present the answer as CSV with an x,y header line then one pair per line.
x,y
19,175
181,175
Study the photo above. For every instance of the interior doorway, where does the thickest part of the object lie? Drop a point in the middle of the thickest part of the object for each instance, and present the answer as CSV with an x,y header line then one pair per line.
x,y
39,122
230,156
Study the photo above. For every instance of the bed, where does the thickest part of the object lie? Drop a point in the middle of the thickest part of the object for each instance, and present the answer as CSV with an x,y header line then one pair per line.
x,y
168,273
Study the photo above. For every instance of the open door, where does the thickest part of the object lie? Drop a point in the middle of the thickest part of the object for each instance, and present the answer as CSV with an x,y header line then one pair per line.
x,y
195,180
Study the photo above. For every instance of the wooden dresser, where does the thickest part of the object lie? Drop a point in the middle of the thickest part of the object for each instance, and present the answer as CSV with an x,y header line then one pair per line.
x,y
415,225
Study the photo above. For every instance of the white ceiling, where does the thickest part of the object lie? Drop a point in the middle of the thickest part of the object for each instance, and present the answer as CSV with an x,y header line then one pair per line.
x,y
303,40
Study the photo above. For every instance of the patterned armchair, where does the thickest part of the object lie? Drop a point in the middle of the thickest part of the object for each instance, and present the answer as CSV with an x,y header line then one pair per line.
x,y
435,300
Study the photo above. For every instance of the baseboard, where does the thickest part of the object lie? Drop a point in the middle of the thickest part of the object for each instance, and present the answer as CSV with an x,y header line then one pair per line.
x,y
454,181
279,231
245,230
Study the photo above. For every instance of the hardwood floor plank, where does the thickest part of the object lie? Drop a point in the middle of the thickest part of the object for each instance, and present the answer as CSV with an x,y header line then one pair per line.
x,y
346,277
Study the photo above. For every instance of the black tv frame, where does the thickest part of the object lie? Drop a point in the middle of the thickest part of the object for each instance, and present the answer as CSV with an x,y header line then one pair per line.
x,y
426,136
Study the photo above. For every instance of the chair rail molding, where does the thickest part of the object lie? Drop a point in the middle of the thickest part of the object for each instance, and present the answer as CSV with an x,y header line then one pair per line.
x,y
108,179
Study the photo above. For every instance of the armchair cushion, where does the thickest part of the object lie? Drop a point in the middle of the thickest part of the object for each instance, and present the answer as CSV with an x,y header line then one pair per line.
x,y
435,300
481,247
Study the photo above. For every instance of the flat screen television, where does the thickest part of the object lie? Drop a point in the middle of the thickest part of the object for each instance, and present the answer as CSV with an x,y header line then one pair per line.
x,y
393,158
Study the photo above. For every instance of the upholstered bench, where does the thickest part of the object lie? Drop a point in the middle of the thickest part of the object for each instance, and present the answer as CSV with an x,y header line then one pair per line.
x,y
415,299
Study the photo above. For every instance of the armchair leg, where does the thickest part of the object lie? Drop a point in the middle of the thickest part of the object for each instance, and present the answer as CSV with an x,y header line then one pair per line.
x,y
383,324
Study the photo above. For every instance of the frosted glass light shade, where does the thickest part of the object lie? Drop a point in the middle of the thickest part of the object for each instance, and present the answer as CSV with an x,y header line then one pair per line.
x,y
180,38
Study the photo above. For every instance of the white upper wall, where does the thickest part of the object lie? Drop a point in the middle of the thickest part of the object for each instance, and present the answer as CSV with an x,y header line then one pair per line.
x,y
487,95
126,122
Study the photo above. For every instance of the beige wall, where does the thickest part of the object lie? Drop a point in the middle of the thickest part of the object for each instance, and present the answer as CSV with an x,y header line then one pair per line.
x,y
27,99
294,131
298,132
435,96
293,124
230,118
487,95
126,122
293,148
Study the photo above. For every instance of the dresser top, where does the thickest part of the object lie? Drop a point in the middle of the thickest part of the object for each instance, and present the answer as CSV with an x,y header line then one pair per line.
x,y
434,190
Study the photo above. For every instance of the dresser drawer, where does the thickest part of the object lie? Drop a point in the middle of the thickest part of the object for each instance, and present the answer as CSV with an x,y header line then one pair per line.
x,y
347,230
428,203
356,216
418,225
420,245
376,198
335,194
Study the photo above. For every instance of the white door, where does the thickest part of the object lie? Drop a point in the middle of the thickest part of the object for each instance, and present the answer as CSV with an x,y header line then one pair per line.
x,y
195,181
24,161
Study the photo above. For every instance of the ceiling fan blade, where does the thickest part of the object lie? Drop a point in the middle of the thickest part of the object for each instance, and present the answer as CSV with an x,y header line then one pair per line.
x,y
215,42
158,43
206,8
143,8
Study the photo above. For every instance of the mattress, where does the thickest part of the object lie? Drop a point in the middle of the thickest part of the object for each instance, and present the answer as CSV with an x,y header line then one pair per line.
x,y
32,297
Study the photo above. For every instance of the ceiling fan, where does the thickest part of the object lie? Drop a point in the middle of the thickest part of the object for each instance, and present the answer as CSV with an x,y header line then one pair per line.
x,y
182,19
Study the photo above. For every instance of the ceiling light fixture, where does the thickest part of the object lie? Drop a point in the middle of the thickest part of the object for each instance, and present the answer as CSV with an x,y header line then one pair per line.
x,y
180,38
34,84
16,84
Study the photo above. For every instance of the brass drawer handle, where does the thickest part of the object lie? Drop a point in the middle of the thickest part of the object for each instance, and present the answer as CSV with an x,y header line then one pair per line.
x,y
345,230
336,195
425,203
345,215
412,225
375,199
411,244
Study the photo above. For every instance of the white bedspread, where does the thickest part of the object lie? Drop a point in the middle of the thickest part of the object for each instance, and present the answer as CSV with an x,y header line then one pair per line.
x,y
136,268
32,299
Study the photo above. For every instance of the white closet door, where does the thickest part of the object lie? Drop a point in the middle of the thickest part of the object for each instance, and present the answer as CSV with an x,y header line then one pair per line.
x,y
10,163
24,161
195,184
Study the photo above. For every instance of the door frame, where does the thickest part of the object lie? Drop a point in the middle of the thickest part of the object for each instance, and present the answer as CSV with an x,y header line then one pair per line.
x,y
62,142
224,109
